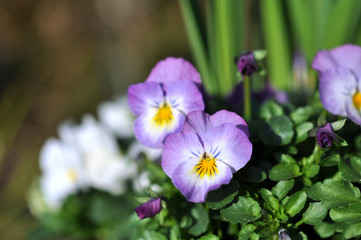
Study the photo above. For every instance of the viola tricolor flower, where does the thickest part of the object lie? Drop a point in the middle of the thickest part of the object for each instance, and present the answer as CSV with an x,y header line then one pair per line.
x,y
206,153
340,80
162,102
149,209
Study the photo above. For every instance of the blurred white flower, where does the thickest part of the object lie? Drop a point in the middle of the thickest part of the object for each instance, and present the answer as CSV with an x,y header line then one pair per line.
x,y
142,183
63,172
117,117
107,169
136,149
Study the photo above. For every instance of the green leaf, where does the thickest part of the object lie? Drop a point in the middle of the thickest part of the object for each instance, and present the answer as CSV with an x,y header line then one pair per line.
x,y
333,193
351,169
219,198
209,237
246,231
349,214
277,131
260,54
254,174
151,235
340,141
269,199
174,233
326,230
282,188
301,131
331,161
287,159
321,121
314,214
311,170
270,109
201,216
353,231
243,211
284,171
302,114
295,203
338,124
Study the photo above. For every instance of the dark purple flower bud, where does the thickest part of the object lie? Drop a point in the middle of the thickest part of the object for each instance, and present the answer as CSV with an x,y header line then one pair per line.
x,y
149,209
325,136
247,64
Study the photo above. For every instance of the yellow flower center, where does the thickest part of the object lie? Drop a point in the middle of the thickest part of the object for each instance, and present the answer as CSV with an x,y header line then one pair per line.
x,y
164,115
72,175
206,166
356,98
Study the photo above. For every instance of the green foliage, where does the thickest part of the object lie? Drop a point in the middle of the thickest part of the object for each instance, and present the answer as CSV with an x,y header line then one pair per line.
x,y
282,188
314,214
200,215
295,203
245,210
278,130
221,197
350,169
284,171
334,193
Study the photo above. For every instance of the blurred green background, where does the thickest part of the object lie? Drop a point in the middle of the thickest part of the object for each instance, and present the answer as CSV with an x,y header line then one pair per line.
x,y
59,60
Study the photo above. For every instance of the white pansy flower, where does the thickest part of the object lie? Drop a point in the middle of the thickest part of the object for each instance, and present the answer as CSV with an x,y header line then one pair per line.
x,y
63,173
117,117
107,169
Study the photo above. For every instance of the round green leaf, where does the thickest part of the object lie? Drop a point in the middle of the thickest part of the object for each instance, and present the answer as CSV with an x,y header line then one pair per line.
x,y
277,131
333,193
282,188
243,211
219,198
284,171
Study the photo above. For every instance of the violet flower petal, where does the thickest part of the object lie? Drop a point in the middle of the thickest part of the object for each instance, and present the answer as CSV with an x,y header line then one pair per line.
x,y
152,135
198,122
348,56
141,96
247,64
180,147
229,145
149,209
224,116
184,96
336,87
195,188
173,69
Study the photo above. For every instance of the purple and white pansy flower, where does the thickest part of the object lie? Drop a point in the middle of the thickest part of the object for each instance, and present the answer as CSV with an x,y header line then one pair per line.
x,y
340,80
206,153
163,101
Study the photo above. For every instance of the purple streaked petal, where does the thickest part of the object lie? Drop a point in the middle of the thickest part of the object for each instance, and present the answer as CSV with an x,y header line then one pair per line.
x,y
336,87
184,96
352,112
141,96
152,135
224,116
198,122
195,188
348,56
149,209
180,148
229,145
173,69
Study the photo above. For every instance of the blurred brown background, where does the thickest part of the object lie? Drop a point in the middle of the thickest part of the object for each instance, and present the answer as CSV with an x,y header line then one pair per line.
x,y
59,60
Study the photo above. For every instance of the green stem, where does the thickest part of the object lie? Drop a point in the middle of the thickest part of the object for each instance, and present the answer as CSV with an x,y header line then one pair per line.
x,y
247,98
318,154
299,223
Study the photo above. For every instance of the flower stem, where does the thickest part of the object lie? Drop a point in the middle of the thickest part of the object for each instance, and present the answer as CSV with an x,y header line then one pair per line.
x,y
247,98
